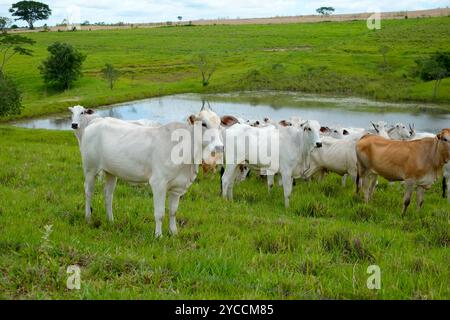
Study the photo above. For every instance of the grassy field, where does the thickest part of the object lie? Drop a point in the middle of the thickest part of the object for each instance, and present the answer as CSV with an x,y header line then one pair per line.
x,y
249,248
335,57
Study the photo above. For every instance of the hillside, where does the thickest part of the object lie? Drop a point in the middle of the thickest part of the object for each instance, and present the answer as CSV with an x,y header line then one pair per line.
x,y
330,58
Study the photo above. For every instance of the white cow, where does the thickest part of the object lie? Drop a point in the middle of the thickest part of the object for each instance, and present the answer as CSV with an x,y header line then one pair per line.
x,y
399,132
295,145
336,155
82,117
380,129
140,154
332,132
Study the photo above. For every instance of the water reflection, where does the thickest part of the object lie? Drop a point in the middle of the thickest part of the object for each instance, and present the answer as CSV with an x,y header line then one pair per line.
x,y
328,111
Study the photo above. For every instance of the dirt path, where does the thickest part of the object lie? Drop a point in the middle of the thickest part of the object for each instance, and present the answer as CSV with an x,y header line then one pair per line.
x,y
440,12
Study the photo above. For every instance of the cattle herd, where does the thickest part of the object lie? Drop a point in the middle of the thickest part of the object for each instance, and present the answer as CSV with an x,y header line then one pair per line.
x,y
144,151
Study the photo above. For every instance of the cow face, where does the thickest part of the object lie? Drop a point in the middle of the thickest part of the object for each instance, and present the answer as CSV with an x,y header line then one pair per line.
x,y
402,131
285,123
211,138
311,129
330,132
253,123
77,113
444,136
379,126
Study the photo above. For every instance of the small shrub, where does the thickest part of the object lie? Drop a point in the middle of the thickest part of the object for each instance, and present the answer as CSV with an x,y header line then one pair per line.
x,y
10,97
363,212
350,248
275,244
314,209
63,66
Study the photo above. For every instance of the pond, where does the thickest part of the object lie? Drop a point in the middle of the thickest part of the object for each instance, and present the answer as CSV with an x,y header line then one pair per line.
x,y
330,111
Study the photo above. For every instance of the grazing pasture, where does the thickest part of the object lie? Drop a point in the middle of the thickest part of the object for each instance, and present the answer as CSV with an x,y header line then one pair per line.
x,y
248,248
331,57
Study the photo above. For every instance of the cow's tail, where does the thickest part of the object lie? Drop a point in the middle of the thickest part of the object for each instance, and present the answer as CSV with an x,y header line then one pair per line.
x,y
358,173
222,171
357,180
444,187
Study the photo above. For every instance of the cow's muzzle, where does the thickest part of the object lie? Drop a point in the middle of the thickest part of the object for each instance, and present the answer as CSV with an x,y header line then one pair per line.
x,y
74,126
319,144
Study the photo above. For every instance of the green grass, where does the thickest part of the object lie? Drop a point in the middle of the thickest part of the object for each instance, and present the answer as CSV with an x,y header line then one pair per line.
x,y
249,248
338,58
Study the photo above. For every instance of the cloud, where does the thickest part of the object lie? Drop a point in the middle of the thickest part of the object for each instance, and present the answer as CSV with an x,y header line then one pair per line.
x,y
134,11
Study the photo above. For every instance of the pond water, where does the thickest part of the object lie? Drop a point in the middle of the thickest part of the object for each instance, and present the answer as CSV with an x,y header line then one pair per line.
x,y
331,111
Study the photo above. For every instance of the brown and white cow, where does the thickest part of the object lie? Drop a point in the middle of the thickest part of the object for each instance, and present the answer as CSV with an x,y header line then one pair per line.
x,y
418,163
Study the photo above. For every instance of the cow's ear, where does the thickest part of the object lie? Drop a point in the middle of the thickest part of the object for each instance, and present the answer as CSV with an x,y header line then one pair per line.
x,y
375,127
285,123
324,129
192,119
70,109
228,121
345,132
89,111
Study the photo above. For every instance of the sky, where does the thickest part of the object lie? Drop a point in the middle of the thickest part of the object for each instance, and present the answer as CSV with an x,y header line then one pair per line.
x,y
134,11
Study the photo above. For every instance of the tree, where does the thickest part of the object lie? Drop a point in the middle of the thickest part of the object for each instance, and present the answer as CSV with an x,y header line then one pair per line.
x,y
384,51
434,68
4,23
11,97
10,45
110,74
180,18
325,11
63,66
206,67
30,11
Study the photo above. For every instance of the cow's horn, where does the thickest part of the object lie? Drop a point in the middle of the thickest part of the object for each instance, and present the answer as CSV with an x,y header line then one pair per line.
x,y
374,125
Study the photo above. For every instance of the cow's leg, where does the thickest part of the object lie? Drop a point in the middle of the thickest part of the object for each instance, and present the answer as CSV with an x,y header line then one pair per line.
x,y
287,188
373,183
344,180
228,178
159,203
369,183
352,174
420,193
280,180
313,169
448,188
270,181
174,200
89,184
110,185
408,193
